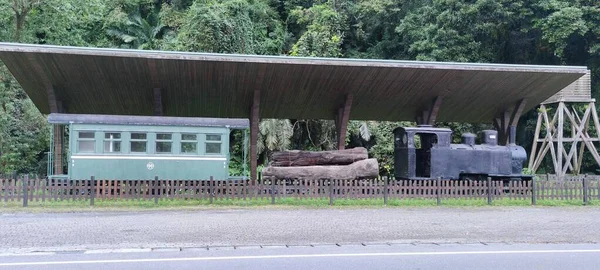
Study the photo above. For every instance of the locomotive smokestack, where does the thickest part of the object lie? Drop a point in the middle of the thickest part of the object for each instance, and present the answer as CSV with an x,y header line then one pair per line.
x,y
468,139
513,135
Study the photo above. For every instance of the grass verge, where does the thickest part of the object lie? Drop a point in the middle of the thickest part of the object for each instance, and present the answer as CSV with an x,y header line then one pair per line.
x,y
134,205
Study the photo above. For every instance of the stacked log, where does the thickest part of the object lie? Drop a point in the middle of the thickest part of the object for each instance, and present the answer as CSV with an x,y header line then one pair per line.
x,y
308,158
340,164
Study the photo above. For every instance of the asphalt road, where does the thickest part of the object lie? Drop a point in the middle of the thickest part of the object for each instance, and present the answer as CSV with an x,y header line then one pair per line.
x,y
400,256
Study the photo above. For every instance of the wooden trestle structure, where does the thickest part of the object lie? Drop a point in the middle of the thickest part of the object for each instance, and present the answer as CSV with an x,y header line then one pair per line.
x,y
552,130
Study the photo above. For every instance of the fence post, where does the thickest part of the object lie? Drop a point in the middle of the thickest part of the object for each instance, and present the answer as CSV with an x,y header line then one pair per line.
x,y
272,190
490,190
385,190
284,189
438,198
154,188
585,190
92,190
25,191
210,190
330,192
533,191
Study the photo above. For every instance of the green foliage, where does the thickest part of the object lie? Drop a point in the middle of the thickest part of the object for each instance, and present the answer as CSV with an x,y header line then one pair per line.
x,y
323,35
231,26
138,32
496,31
23,130
274,135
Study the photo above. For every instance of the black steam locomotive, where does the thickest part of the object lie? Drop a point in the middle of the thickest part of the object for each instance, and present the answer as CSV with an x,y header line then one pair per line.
x,y
425,152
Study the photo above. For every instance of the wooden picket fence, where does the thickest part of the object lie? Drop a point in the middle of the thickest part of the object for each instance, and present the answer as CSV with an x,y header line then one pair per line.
x,y
44,190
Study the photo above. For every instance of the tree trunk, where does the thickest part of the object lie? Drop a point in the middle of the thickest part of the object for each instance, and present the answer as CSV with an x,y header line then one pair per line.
x,y
308,158
19,22
368,168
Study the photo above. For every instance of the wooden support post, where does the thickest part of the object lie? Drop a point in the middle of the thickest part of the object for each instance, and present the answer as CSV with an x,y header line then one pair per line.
x,y
158,105
508,119
55,105
92,190
254,121
343,116
54,102
25,190
58,148
559,152
428,116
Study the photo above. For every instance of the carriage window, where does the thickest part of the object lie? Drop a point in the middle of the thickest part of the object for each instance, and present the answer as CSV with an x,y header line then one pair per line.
x,y
112,142
189,144
164,141
86,142
139,142
213,144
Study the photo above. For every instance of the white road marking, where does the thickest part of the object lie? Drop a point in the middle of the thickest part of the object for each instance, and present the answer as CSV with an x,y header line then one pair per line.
x,y
125,250
390,254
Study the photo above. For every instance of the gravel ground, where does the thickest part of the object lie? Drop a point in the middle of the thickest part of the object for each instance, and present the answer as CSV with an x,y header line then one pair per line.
x,y
26,232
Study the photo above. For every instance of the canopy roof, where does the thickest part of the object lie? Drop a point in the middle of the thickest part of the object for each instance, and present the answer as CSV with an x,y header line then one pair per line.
x,y
122,82
62,118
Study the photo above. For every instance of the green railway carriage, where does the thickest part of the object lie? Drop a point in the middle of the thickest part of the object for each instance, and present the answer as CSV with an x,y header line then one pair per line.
x,y
145,147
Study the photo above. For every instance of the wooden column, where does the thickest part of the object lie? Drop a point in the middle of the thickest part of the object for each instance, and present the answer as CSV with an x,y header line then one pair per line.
x,y
55,105
559,147
254,121
59,132
508,119
157,103
428,115
343,116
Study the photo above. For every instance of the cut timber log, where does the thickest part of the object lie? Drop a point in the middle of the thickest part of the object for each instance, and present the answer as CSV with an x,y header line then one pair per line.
x,y
361,169
309,158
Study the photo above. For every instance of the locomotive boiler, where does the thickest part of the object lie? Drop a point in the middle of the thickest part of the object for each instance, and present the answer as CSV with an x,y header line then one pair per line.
x,y
426,152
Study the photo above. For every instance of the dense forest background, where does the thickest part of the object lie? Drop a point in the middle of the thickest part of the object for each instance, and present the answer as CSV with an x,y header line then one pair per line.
x,y
557,32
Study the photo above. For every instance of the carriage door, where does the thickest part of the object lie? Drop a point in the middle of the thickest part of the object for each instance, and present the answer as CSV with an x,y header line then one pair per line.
x,y
423,143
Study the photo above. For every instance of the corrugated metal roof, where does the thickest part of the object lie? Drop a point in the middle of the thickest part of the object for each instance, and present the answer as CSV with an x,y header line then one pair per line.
x,y
61,118
121,82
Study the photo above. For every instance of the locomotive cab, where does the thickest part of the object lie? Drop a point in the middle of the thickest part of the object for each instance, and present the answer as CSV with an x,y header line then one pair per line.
x,y
415,150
